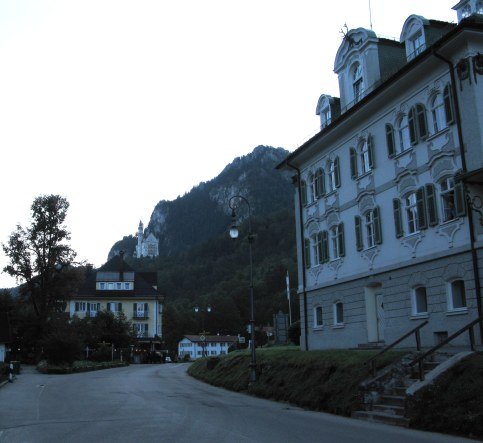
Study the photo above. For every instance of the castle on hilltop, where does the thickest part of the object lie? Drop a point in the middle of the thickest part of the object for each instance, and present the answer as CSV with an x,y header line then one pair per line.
x,y
147,246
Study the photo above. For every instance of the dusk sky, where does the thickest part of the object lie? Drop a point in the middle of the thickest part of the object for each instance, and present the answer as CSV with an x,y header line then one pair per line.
x,y
116,105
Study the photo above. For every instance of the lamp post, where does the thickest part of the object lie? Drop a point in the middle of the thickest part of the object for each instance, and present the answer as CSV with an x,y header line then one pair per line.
x,y
204,311
234,232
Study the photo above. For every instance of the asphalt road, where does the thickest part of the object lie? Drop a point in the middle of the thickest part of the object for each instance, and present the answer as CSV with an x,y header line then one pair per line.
x,y
160,403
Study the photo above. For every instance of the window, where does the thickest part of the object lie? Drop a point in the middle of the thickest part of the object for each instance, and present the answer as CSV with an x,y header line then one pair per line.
x,y
391,146
140,310
334,174
114,307
338,313
327,117
80,306
411,211
466,11
419,301
457,296
316,249
102,286
357,82
311,191
418,128
403,134
127,286
110,286
92,309
303,192
319,183
447,199
438,113
370,229
417,44
318,320
337,241
140,329
119,286
362,160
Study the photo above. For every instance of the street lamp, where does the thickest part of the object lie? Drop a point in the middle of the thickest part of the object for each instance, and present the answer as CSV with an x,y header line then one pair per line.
x,y
204,311
234,232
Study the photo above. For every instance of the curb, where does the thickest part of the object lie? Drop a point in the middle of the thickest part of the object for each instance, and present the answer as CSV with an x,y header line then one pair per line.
x,y
3,383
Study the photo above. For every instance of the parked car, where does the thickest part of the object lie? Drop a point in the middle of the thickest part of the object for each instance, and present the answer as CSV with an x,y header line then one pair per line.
x,y
167,359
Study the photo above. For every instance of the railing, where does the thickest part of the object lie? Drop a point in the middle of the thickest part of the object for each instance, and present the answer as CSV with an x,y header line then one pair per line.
x,y
469,327
415,331
140,315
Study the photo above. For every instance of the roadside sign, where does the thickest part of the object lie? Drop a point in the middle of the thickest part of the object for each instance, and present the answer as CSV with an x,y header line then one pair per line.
x,y
241,339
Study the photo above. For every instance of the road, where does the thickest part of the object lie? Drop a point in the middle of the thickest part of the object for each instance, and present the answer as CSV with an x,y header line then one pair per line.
x,y
161,403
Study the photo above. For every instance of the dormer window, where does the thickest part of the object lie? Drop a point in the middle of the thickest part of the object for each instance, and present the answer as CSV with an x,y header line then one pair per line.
x,y
417,43
326,117
357,82
466,11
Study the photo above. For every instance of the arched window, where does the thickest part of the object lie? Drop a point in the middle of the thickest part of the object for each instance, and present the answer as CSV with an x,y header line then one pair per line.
x,y
318,317
411,211
456,295
334,174
338,313
419,301
337,241
403,134
357,82
438,113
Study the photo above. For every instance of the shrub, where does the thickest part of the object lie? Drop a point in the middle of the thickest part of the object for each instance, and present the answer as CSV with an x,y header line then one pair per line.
x,y
102,353
61,347
294,332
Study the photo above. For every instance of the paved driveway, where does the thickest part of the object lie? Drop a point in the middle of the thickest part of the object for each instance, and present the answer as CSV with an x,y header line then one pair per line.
x,y
160,403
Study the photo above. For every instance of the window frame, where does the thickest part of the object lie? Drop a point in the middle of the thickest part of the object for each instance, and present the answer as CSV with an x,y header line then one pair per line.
x,y
451,296
404,137
318,309
338,321
414,301
438,113
410,211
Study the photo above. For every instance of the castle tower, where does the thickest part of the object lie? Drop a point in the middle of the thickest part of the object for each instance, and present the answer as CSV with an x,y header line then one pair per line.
x,y
139,247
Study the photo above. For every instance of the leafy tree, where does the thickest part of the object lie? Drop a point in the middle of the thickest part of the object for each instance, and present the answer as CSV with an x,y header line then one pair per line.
x,y
38,253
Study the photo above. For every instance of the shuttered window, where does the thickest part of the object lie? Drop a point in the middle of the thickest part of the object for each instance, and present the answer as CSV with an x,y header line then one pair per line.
x,y
319,183
325,247
396,205
358,228
421,121
370,152
459,199
421,209
337,172
431,205
353,163
448,104
391,149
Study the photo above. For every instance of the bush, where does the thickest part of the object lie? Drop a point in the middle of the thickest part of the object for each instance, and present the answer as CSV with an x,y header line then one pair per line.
x,y
3,371
102,353
61,347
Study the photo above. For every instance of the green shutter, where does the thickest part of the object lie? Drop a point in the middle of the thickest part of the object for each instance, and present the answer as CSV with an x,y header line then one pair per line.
x,y
303,192
119,307
341,240
358,226
370,148
353,162
377,225
421,206
135,308
320,251
325,247
145,308
396,206
422,122
448,104
108,306
459,199
307,252
431,203
412,126
319,183
391,151
337,172
76,306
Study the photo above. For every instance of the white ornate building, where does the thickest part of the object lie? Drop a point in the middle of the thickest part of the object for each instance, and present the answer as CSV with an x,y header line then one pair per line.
x,y
385,236
148,246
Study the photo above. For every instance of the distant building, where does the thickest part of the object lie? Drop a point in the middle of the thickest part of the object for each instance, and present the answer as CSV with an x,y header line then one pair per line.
x,y
197,346
147,246
385,236
116,287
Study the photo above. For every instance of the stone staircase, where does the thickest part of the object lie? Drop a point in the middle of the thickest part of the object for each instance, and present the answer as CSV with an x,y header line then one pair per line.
x,y
384,396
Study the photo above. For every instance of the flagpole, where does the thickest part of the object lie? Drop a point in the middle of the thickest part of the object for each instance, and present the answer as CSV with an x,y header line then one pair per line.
x,y
287,280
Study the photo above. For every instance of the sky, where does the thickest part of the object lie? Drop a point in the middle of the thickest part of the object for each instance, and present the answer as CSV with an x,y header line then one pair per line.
x,y
118,104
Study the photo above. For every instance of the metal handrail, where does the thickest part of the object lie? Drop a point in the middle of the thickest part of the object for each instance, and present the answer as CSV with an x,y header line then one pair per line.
x,y
414,331
469,327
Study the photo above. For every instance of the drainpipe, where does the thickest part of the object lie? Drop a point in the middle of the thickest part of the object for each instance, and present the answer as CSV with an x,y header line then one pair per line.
x,y
306,322
474,257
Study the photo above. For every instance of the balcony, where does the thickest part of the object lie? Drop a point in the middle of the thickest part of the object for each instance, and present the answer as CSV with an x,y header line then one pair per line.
x,y
140,315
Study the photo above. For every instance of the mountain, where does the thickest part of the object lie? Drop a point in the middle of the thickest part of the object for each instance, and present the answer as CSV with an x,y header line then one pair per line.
x,y
203,212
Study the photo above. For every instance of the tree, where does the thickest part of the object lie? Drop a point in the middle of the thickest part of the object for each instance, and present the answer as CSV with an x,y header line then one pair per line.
x,y
40,256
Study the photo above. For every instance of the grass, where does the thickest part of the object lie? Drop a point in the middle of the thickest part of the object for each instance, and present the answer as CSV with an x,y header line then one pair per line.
x,y
454,403
318,380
